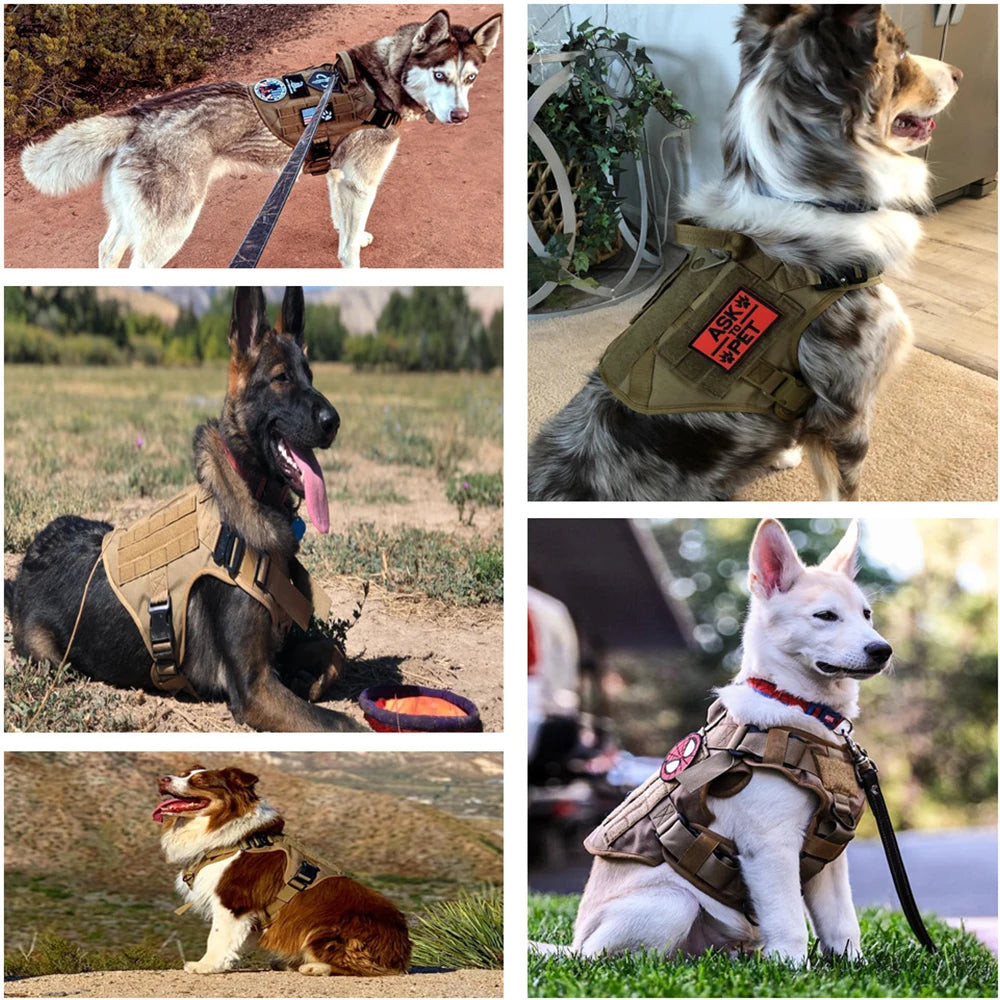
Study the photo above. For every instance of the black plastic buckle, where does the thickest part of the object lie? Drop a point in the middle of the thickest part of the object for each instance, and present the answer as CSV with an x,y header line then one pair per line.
x,y
161,631
318,161
383,119
304,877
258,840
229,549
855,275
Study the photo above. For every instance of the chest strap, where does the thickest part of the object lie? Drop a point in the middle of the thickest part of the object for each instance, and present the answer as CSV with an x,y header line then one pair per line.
x,y
301,871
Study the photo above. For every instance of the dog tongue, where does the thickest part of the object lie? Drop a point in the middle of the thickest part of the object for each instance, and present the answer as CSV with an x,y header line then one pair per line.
x,y
315,489
175,806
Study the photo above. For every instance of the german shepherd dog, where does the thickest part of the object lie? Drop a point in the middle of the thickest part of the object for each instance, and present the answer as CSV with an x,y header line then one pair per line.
x,y
158,158
271,420
830,101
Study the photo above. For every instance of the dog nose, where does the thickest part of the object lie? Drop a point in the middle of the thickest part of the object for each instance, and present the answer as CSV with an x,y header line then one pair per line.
x,y
329,423
458,115
879,651
164,784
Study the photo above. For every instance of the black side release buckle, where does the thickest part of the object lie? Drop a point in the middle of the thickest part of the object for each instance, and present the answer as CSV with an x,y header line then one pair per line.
x,y
229,549
855,274
304,877
161,631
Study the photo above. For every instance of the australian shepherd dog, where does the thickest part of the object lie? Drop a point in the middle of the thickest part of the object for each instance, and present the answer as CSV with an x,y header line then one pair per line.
x,y
830,101
237,873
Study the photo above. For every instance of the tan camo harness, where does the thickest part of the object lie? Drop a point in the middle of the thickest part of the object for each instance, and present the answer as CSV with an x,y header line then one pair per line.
x,y
301,870
152,565
667,819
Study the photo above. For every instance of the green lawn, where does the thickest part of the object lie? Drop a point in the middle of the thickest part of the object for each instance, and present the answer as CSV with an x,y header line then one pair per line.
x,y
895,965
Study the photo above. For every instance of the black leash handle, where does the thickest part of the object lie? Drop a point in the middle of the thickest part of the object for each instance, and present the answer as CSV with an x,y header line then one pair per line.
x,y
867,774
260,231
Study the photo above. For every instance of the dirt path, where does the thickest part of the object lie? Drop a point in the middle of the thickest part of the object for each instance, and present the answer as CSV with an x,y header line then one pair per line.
x,y
440,204
174,983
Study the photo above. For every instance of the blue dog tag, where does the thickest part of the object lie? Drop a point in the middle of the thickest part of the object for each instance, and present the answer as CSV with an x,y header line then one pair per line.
x,y
298,528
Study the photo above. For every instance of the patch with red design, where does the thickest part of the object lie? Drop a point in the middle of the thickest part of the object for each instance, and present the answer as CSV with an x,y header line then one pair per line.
x,y
678,758
734,329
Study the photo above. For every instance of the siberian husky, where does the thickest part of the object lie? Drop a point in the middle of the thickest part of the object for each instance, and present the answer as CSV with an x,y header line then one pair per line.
x,y
809,638
159,157
814,146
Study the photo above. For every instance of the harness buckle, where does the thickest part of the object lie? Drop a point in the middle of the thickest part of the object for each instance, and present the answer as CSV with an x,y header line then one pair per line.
x,y
258,840
856,274
161,631
229,549
304,877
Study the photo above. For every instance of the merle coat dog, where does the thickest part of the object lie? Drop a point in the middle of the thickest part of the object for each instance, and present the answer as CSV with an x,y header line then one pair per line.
x,y
271,420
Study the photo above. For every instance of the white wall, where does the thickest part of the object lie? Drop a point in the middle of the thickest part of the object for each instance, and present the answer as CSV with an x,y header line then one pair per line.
x,y
693,53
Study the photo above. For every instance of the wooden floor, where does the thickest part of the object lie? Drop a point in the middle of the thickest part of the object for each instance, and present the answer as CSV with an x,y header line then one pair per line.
x,y
950,294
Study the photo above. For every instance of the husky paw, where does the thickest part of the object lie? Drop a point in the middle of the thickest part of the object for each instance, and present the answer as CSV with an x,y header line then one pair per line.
x,y
366,239
788,459
203,968
315,969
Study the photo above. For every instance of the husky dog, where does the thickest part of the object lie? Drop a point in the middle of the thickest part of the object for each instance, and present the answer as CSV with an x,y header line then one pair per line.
x,y
829,103
255,464
807,641
158,158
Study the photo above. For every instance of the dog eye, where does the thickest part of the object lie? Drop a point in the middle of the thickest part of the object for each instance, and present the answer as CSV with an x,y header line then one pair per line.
x,y
826,616
439,76
471,78
280,377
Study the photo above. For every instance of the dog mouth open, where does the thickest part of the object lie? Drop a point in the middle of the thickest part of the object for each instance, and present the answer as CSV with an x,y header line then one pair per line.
x,y
303,474
829,668
913,128
174,804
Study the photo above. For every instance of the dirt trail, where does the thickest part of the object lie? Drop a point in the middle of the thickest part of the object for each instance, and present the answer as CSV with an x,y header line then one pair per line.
x,y
174,983
440,205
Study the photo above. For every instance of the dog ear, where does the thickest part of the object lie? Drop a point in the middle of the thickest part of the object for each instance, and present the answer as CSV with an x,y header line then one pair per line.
x,y
434,30
487,34
844,558
240,779
774,563
293,315
249,323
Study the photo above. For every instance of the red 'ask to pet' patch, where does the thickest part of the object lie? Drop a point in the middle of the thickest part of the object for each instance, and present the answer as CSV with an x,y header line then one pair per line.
x,y
734,329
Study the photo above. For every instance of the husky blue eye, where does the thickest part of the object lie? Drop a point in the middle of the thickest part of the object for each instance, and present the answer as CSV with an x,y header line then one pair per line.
x,y
827,616
439,76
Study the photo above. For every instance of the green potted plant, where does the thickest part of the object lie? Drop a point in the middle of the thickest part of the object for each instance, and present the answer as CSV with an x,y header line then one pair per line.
x,y
593,127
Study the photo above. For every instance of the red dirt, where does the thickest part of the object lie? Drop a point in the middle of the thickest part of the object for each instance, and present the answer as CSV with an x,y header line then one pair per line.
x,y
440,204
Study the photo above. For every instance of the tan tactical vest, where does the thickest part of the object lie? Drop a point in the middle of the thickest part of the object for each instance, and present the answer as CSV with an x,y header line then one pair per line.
x,y
722,331
285,105
153,563
302,871
667,818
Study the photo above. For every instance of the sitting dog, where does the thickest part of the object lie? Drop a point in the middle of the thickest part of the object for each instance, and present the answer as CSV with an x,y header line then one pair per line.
x,y
256,885
158,158
752,813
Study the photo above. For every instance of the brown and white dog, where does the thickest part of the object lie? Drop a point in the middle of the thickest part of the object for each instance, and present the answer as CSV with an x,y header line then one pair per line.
x,y
337,926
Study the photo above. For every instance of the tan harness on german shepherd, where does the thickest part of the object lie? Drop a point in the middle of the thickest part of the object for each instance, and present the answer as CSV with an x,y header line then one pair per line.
x,y
286,105
152,565
666,819
302,871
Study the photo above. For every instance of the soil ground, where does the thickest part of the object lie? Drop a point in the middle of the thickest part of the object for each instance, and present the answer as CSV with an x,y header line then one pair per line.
x,y
174,983
440,204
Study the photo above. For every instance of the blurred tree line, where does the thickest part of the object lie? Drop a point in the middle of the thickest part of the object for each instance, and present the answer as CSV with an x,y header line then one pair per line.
x,y
431,329
931,725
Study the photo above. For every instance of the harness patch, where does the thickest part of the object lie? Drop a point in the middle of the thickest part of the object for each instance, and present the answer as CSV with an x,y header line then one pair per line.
x,y
680,756
270,90
734,329
320,79
296,84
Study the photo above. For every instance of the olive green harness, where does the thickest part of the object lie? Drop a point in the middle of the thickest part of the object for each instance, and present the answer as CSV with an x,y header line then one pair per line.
x,y
722,331
152,565
286,105
667,819
301,870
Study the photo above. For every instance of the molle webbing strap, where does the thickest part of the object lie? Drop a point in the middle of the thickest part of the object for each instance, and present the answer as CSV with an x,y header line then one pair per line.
x,y
721,333
669,820
153,564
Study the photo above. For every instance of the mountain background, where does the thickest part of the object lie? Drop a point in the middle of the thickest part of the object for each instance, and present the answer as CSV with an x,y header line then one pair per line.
x,y
82,854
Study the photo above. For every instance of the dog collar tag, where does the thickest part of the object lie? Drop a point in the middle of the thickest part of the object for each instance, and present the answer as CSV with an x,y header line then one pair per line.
x,y
680,756
298,528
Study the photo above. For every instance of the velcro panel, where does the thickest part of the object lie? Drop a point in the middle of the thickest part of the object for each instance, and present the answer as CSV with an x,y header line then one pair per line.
x,y
166,535
836,774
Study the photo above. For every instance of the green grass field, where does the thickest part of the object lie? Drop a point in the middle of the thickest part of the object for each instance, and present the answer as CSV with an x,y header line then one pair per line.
x,y
895,965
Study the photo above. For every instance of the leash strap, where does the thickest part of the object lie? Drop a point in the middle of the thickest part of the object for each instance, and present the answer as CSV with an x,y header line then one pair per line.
x,y
867,774
260,232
